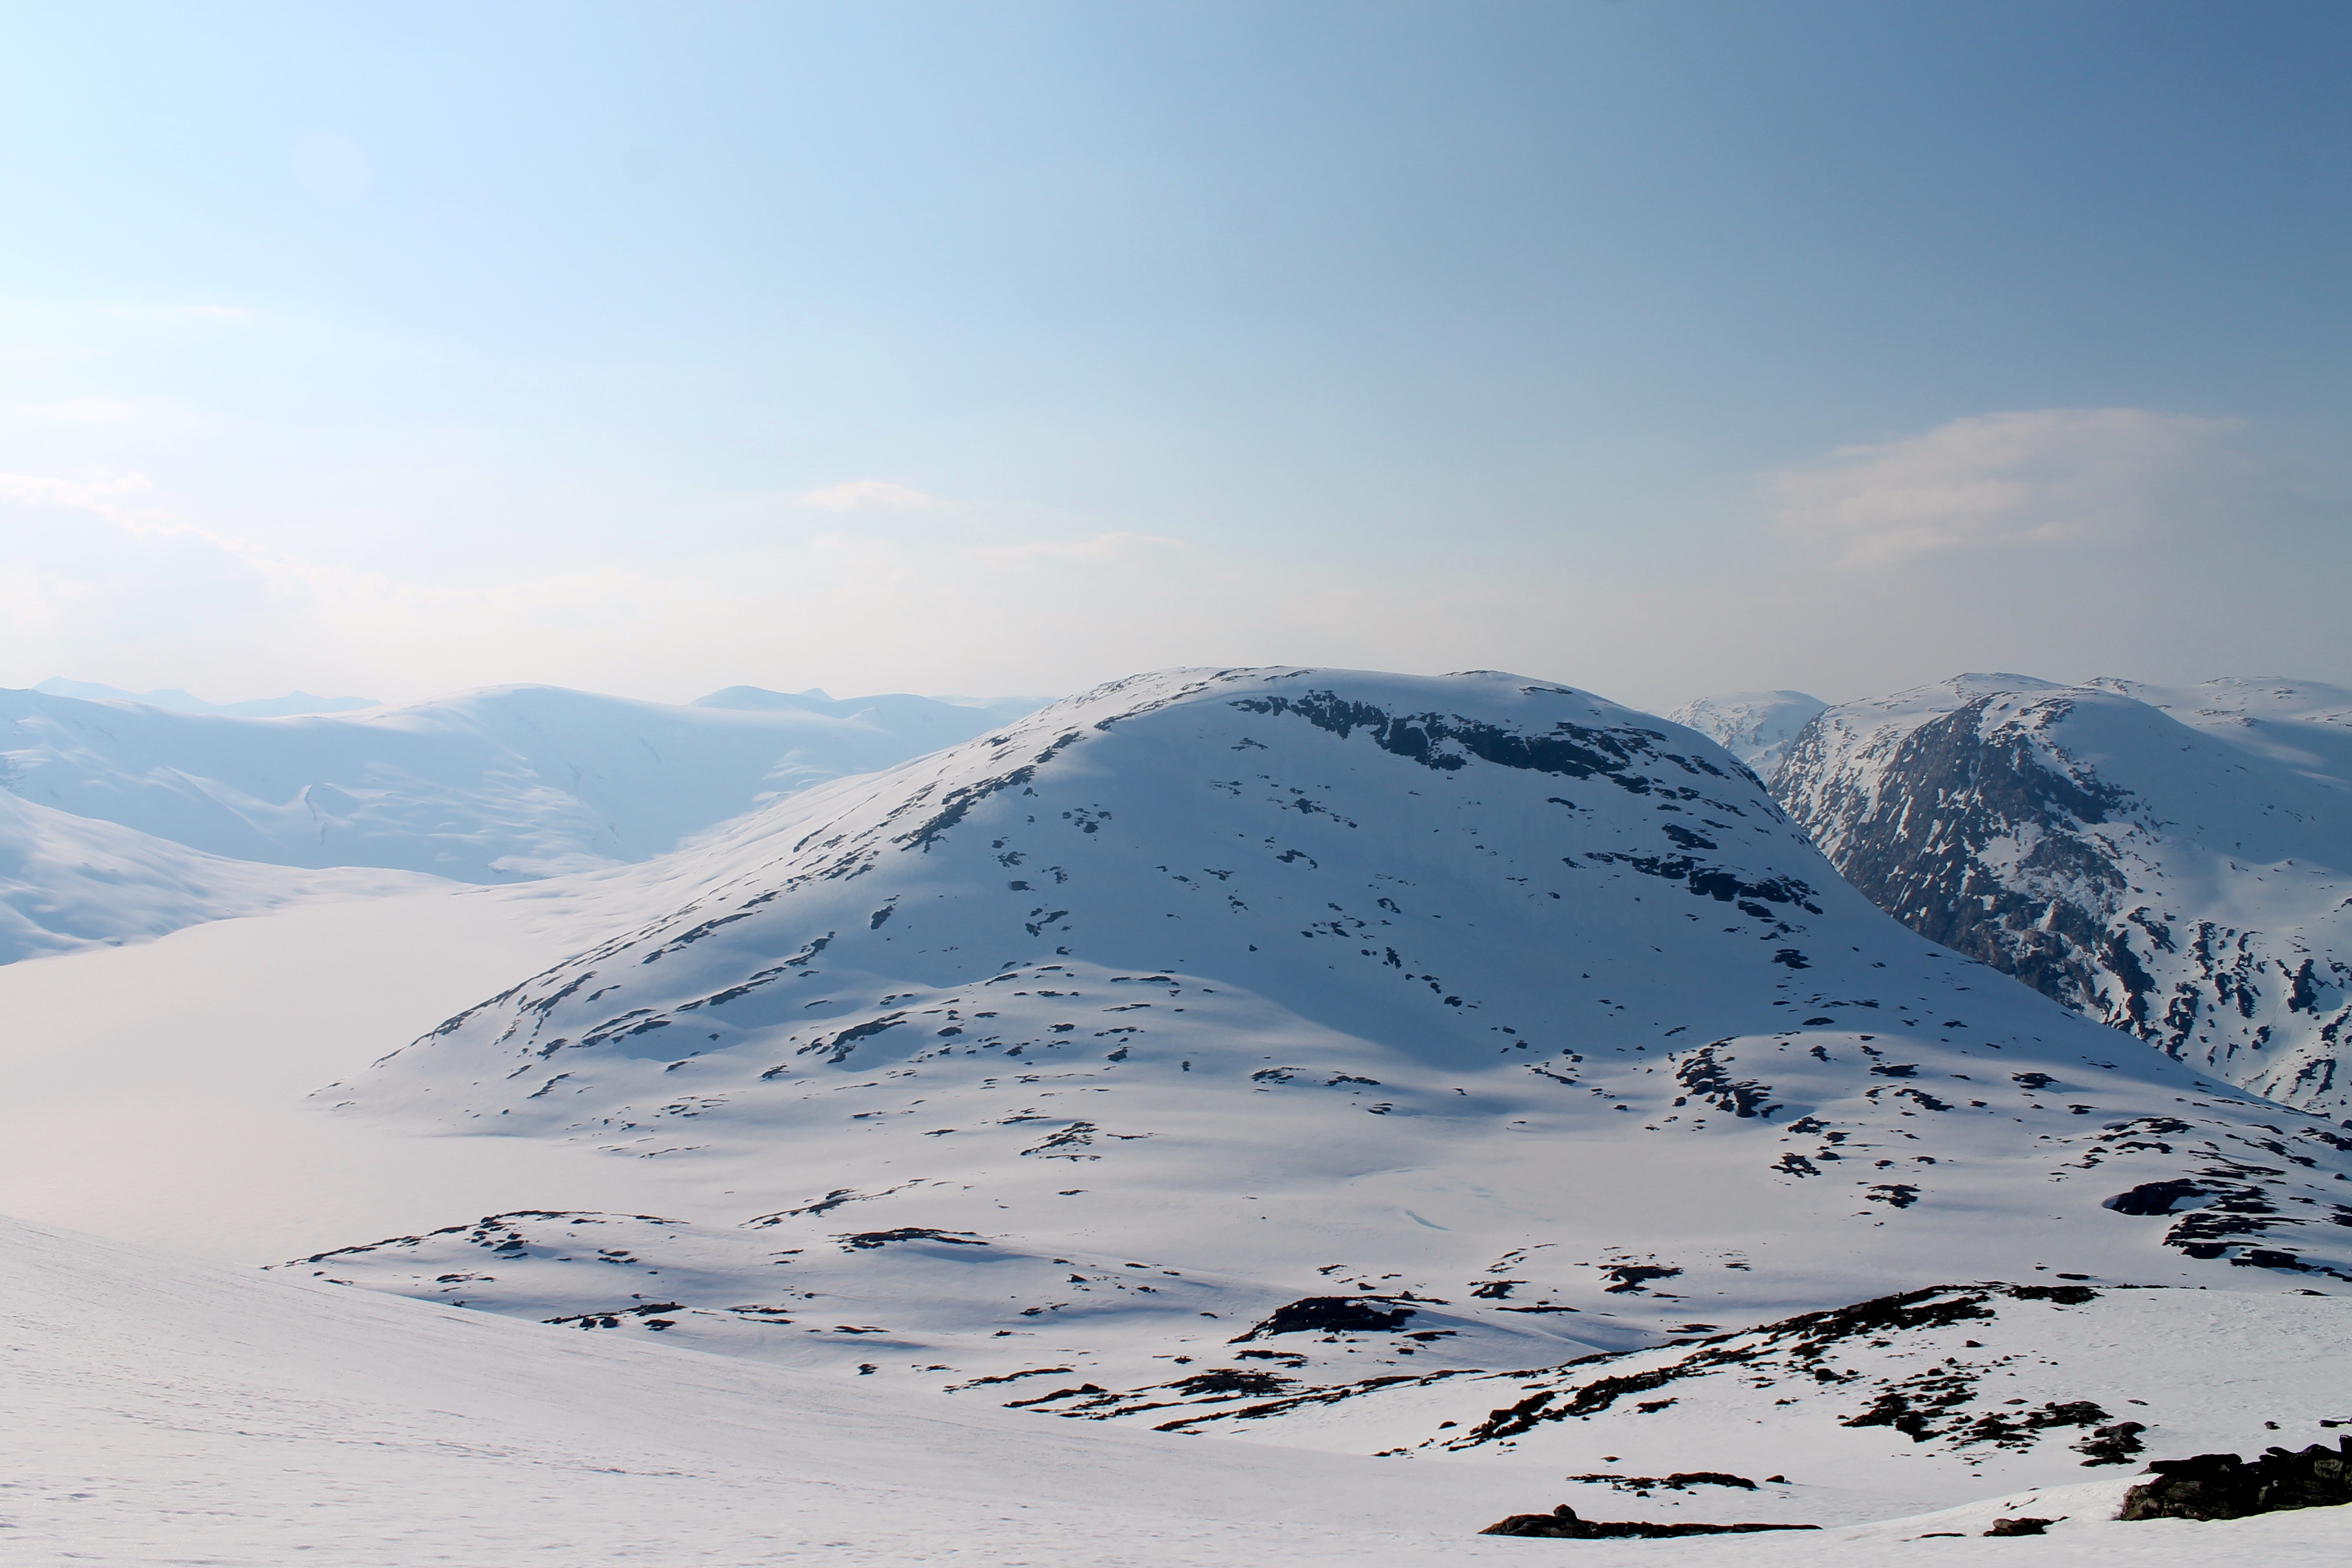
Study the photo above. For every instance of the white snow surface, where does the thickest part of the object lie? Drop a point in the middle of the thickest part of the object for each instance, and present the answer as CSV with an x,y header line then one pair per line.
x,y
2305,724
1754,726
169,1412
496,785
2174,863
72,882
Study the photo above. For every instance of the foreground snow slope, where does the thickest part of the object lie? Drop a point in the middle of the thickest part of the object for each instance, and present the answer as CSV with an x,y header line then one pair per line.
x,y
1220,1037
72,882
2177,864
165,1413
495,785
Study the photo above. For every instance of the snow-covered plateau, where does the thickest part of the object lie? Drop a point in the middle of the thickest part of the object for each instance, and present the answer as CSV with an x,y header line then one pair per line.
x,y
2175,863
1468,1096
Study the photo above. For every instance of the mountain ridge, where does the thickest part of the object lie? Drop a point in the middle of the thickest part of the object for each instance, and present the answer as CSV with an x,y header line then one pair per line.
x,y
2181,869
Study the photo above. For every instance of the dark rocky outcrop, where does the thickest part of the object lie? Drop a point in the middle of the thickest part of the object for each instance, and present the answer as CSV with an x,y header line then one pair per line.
x,y
2222,1485
1561,1524
2021,1526
1330,1315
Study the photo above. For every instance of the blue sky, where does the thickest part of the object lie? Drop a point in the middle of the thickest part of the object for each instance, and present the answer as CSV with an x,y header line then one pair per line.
x,y
1659,347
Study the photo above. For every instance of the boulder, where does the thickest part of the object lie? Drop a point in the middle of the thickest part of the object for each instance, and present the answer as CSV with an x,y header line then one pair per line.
x,y
2021,1526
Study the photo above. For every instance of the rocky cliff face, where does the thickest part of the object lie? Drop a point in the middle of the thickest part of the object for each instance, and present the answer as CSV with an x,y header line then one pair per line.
x,y
2177,865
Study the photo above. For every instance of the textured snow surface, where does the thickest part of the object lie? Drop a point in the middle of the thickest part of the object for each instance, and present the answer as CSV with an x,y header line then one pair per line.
x,y
70,882
169,1412
2176,863
1754,726
496,785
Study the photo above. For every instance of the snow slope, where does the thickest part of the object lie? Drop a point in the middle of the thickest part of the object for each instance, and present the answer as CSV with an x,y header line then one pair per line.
x,y
2305,724
1754,726
70,882
146,1429
1391,1027
2176,864
494,785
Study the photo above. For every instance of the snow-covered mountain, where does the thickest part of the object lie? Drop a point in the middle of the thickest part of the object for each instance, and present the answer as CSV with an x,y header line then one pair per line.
x,y
499,785
72,882
1399,1032
2177,864
1754,726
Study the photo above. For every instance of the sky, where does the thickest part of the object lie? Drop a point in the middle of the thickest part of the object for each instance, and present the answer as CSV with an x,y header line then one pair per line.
x,y
1658,347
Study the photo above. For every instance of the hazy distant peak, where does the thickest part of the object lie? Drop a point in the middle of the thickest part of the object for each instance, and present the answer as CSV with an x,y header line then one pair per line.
x,y
172,700
759,698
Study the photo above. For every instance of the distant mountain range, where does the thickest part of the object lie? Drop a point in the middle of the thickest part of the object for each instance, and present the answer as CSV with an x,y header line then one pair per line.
x,y
174,701
121,819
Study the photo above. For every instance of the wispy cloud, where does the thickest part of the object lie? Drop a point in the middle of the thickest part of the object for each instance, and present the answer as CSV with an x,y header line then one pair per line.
x,y
870,495
2003,480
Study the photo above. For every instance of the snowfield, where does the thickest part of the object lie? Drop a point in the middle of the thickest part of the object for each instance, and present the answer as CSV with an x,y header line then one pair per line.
x,y
170,1413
